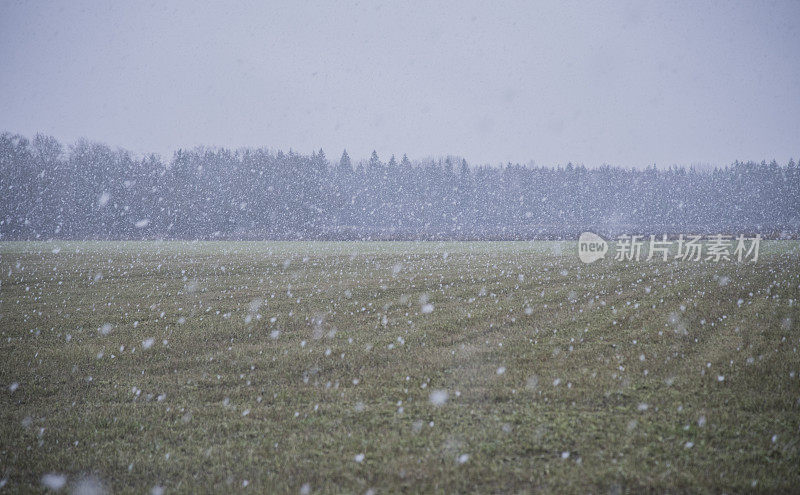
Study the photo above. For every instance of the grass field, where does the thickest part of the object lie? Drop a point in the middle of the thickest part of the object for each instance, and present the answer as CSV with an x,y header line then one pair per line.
x,y
419,367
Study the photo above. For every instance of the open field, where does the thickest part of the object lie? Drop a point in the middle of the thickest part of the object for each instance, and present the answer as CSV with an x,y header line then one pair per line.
x,y
434,367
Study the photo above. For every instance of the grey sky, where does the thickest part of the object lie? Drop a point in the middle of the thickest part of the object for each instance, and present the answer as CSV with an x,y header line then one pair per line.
x,y
625,83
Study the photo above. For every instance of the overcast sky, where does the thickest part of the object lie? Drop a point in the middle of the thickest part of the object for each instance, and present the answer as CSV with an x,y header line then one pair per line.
x,y
624,83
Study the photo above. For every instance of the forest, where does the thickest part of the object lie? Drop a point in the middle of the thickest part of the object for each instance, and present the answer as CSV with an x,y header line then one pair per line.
x,y
88,190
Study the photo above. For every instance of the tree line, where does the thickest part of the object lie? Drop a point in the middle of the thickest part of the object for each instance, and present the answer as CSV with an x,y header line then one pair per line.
x,y
91,191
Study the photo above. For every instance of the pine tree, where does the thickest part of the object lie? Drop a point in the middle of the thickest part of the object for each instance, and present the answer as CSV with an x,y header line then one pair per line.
x,y
345,167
